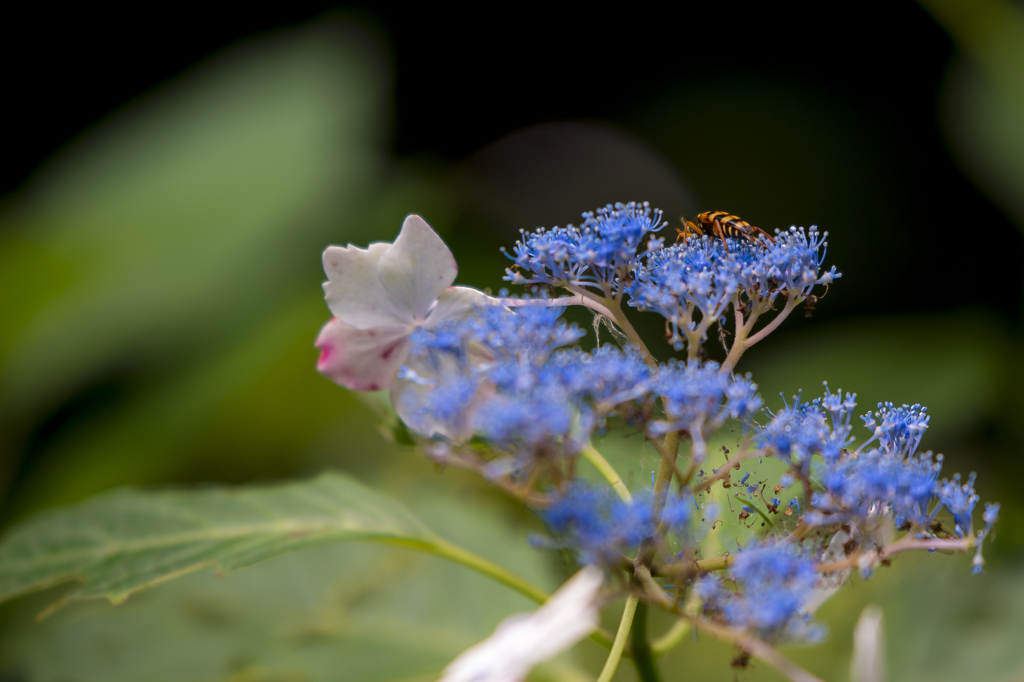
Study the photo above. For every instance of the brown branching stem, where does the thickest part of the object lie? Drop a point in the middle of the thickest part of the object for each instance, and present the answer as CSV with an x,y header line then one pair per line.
x,y
905,544
612,308
748,643
471,462
742,341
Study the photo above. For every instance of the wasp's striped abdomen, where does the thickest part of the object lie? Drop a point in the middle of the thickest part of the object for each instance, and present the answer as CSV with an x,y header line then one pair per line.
x,y
721,225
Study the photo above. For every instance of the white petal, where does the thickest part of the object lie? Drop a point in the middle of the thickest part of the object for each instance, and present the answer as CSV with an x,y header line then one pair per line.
x,y
355,293
829,583
456,302
407,396
568,616
361,359
524,640
417,267
868,662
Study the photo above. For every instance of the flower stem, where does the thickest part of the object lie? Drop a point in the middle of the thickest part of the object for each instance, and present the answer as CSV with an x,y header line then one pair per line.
x,y
564,301
792,303
643,657
619,644
476,562
611,308
669,453
607,470
670,639
905,544
490,569
741,342
744,641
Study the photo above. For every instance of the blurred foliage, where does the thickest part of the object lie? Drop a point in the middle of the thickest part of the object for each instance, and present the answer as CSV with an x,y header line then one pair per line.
x,y
982,107
120,542
984,98
161,277
362,612
160,283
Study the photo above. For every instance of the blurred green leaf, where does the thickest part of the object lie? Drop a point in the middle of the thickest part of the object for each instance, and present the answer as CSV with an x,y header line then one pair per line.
x,y
952,363
181,215
984,98
358,612
163,242
389,424
220,411
127,540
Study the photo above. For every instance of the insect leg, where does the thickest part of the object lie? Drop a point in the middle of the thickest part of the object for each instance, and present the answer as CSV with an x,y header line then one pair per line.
x,y
720,233
771,240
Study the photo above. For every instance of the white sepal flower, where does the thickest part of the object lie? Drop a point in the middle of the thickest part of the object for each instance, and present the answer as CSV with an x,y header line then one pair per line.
x,y
379,295
829,583
868,662
526,639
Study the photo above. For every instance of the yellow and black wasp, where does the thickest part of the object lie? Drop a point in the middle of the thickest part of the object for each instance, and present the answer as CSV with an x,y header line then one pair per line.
x,y
720,224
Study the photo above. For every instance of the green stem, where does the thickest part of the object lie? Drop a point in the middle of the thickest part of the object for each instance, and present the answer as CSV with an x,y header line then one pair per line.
x,y
643,657
669,454
670,639
627,327
752,645
619,644
492,570
608,471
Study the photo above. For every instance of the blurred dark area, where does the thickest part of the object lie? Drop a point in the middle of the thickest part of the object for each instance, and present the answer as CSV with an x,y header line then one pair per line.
x,y
171,176
783,113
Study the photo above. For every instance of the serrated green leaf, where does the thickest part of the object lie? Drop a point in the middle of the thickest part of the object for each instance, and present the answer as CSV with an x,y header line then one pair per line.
x,y
127,540
362,612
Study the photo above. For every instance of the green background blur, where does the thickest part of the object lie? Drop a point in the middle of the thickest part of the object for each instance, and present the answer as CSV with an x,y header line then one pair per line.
x,y
160,289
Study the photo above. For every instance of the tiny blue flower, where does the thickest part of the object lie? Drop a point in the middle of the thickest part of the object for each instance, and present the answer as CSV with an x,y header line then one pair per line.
x,y
700,397
598,254
960,501
775,579
898,429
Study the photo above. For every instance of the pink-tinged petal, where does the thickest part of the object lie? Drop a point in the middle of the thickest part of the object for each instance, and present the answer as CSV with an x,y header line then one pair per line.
x,y
417,267
355,294
361,359
456,302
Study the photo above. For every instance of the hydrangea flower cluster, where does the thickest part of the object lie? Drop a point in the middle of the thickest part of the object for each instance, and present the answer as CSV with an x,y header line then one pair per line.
x,y
777,583
891,478
699,398
599,254
507,377
707,275
799,432
603,528
507,388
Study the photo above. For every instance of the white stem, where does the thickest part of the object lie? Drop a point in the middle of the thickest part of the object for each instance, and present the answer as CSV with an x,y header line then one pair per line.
x,y
563,301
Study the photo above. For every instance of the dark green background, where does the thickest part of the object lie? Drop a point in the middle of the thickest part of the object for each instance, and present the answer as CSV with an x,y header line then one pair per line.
x,y
172,178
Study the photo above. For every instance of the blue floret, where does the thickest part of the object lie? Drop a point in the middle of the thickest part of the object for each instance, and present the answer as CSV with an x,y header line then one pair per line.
x,y
776,580
700,397
597,254
705,275
959,500
507,376
898,429
600,527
